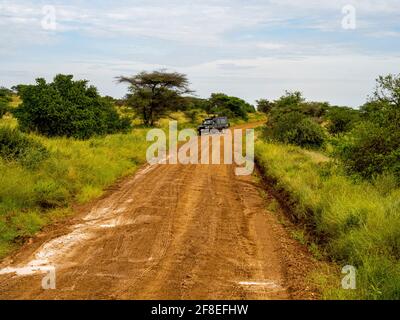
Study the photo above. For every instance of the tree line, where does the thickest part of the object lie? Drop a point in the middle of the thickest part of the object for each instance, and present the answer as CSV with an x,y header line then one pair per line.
x,y
66,107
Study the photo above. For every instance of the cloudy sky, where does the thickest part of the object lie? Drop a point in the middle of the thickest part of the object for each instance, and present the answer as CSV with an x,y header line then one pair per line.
x,y
248,48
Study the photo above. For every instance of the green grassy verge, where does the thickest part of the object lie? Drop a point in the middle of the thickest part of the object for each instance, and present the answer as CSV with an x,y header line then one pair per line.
x,y
354,223
75,172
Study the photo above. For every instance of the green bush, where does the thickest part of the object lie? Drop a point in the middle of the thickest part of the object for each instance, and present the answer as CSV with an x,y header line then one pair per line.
x,y
295,128
67,108
232,107
341,119
370,149
3,108
16,146
5,99
289,100
264,105
373,146
295,102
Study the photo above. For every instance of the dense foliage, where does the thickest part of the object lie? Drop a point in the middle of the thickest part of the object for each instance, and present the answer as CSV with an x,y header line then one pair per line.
x,y
67,108
295,128
373,146
232,107
341,119
16,146
292,120
264,105
5,99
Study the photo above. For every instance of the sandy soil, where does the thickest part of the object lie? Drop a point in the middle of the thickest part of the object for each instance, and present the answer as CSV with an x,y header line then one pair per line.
x,y
168,232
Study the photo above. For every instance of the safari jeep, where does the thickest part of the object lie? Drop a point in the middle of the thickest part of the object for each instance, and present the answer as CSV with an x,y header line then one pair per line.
x,y
213,125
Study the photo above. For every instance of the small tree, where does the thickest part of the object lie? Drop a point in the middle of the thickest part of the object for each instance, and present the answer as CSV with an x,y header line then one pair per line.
x,y
154,93
290,100
388,90
264,105
67,108
225,105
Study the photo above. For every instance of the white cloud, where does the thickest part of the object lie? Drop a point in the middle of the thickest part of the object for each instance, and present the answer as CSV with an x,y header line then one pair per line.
x,y
384,34
250,48
201,22
269,45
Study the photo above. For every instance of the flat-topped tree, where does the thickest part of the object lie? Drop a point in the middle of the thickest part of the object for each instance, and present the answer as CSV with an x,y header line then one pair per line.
x,y
154,93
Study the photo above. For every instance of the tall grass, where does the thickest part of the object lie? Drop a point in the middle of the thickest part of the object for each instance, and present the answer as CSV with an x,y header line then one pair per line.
x,y
15,102
356,222
75,171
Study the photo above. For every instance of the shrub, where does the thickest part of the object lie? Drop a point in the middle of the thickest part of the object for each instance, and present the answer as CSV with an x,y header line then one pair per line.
x,y
67,108
295,102
232,107
370,149
295,128
341,119
264,105
3,108
289,99
192,115
5,99
373,147
16,146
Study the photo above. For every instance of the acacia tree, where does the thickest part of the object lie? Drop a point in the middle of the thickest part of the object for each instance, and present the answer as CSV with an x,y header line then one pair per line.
x,y
154,93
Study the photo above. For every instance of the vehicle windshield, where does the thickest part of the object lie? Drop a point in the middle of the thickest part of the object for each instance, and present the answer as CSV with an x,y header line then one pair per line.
x,y
208,122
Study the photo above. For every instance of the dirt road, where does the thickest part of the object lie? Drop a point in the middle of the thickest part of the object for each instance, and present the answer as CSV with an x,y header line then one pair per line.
x,y
168,232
